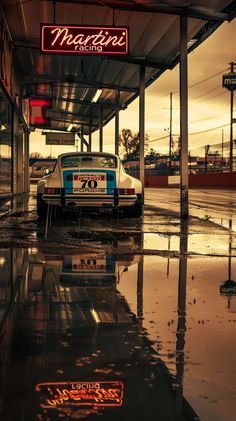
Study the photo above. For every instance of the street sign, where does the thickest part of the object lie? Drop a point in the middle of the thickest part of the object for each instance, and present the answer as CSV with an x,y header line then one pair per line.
x,y
60,138
229,81
228,288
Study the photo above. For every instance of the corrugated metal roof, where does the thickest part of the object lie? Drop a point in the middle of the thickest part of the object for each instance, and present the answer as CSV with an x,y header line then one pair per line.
x,y
71,81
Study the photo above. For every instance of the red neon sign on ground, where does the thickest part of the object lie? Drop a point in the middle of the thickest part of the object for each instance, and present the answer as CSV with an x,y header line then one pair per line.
x,y
85,40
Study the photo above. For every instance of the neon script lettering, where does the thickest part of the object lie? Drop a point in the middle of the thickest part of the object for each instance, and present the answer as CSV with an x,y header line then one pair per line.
x,y
63,36
104,397
99,394
84,40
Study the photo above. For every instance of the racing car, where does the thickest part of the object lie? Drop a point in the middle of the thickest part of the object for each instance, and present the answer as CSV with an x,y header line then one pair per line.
x,y
90,179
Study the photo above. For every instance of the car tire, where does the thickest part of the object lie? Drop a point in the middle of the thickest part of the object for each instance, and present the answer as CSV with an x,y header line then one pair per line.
x,y
136,210
42,207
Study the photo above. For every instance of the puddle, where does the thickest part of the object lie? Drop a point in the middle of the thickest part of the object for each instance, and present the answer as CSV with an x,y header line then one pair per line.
x,y
83,334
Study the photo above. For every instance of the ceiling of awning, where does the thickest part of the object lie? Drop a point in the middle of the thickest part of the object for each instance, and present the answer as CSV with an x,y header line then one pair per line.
x,y
72,81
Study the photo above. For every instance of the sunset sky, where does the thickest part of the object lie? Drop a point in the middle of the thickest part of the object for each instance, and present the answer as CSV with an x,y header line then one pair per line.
x,y
209,103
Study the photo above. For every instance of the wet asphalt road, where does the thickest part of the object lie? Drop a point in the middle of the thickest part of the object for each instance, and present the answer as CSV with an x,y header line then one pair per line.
x,y
111,317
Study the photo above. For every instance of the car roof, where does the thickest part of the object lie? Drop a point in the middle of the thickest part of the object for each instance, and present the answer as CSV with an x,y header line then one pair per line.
x,y
87,153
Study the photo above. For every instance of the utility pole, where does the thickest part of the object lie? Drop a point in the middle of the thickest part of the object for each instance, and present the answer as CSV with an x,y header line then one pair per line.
x,y
76,142
142,126
222,148
229,82
170,133
183,77
100,129
231,120
207,147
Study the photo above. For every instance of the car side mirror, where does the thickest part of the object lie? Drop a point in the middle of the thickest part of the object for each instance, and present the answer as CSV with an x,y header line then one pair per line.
x,y
46,171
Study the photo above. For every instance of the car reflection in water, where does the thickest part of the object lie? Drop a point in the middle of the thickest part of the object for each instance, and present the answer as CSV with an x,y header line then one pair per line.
x,y
77,351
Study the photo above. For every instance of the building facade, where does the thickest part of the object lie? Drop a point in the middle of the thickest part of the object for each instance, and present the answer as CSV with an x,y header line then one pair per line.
x,y
14,131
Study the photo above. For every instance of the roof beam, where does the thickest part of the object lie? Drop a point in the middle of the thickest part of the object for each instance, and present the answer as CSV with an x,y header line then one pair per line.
x,y
51,111
139,61
42,80
78,123
193,12
125,59
83,102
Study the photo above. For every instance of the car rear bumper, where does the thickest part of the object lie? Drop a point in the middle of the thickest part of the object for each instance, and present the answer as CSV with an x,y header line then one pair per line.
x,y
69,200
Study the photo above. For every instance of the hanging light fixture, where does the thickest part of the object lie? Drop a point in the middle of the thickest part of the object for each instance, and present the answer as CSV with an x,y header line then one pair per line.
x,y
70,127
97,95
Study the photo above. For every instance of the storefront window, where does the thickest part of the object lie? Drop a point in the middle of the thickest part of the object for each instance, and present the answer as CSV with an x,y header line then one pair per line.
x,y
5,145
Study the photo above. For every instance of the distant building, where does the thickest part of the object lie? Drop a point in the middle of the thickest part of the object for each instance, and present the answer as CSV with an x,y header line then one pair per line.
x,y
161,165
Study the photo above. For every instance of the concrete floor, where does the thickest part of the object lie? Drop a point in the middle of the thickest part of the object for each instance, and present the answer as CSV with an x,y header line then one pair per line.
x,y
145,308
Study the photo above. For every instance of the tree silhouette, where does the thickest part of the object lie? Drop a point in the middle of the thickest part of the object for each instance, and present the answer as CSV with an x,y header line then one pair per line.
x,y
130,143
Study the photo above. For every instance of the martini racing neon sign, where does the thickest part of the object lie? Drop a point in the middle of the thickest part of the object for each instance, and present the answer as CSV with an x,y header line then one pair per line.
x,y
86,40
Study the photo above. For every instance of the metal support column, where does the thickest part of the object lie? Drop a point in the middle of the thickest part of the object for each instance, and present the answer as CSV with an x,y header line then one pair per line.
x,y
27,176
181,327
100,129
141,125
117,123
140,292
184,116
231,131
82,139
170,132
90,136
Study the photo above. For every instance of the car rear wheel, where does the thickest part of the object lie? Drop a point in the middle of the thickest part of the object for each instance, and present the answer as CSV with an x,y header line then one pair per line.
x,y
136,210
42,207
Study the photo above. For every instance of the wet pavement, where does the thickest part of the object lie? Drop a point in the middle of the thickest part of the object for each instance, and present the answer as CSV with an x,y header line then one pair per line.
x,y
109,317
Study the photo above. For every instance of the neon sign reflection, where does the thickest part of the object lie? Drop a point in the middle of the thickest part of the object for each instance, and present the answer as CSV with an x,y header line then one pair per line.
x,y
55,395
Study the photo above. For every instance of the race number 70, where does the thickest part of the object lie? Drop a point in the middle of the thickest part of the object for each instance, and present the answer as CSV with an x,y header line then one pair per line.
x,y
92,184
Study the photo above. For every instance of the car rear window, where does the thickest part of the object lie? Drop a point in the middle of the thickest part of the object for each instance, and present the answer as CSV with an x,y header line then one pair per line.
x,y
89,161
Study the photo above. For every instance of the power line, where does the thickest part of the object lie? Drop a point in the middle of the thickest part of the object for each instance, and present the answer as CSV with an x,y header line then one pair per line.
x,y
208,78
214,146
208,92
208,118
196,140
155,99
190,134
201,147
208,130
191,86
204,80
214,96
159,138
194,99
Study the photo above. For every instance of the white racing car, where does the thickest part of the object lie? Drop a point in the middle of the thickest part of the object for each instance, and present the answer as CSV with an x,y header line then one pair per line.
x,y
90,179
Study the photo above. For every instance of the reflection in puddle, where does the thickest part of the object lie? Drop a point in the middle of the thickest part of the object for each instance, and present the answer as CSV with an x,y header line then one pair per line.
x,y
81,393
88,334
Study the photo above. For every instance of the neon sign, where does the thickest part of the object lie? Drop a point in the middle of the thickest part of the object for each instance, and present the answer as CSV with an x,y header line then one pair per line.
x,y
85,40
55,395
37,109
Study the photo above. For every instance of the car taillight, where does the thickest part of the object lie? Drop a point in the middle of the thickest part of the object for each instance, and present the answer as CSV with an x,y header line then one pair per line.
x,y
52,190
126,191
